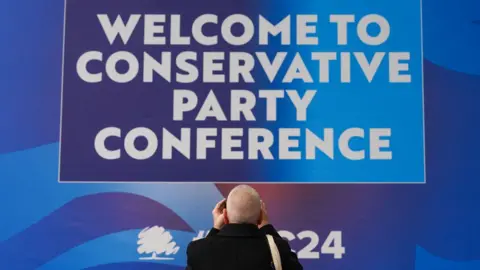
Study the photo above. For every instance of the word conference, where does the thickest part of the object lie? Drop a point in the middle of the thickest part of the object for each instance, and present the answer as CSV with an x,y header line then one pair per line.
x,y
260,140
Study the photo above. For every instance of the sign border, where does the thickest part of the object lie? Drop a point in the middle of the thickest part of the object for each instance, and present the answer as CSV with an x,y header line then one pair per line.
x,y
238,182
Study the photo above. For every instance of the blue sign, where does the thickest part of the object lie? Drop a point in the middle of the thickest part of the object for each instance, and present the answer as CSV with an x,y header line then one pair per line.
x,y
237,92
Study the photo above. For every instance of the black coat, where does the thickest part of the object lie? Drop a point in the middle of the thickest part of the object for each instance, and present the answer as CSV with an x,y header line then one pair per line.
x,y
239,247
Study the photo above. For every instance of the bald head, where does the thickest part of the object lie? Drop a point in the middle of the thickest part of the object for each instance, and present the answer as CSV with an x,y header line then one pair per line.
x,y
243,205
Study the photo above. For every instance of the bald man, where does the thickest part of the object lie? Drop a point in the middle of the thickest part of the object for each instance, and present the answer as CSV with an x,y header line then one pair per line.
x,y
238,237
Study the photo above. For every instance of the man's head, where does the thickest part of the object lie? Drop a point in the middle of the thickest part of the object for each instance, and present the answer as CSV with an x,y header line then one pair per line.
x,y
243,206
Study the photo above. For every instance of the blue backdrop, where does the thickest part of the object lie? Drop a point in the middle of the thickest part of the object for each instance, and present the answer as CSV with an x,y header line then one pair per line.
x,y
47,225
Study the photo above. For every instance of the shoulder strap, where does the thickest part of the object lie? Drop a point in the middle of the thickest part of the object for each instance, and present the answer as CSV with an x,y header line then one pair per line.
x,y
277,261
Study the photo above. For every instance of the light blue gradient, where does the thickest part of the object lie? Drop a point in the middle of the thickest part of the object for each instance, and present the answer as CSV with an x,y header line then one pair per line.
x,y
359,104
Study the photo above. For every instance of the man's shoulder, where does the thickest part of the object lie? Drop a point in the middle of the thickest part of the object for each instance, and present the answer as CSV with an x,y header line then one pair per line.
x,y
199,243
282,244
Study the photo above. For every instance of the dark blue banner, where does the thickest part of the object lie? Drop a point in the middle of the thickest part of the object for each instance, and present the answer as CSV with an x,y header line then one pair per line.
x,y
242,92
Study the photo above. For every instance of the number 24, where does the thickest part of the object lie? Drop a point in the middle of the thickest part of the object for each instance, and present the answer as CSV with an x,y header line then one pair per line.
x,y
332,245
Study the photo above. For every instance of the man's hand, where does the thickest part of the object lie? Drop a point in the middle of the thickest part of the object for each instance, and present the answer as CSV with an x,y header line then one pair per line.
x,y
264,218
218,214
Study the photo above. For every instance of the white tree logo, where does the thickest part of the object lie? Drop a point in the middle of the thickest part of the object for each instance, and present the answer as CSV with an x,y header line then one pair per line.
x,y
156,241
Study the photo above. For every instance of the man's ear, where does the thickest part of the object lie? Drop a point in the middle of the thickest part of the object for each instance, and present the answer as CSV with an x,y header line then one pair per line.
x,y
225,216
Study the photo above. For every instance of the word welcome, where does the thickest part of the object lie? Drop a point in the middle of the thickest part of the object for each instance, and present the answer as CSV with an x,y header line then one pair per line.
x,y
222,67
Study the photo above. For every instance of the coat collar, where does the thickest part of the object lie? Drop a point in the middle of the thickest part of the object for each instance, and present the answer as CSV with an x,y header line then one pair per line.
x,y
240,230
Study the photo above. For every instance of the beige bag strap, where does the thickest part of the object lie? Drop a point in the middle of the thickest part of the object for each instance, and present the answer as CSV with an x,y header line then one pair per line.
x,y
277,261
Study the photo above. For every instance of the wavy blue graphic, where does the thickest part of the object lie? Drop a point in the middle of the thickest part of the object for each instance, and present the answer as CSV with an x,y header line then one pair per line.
x,y
108,208
82,220
451,34
115,248
41,179
447,219
135,266
30,73
427,261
